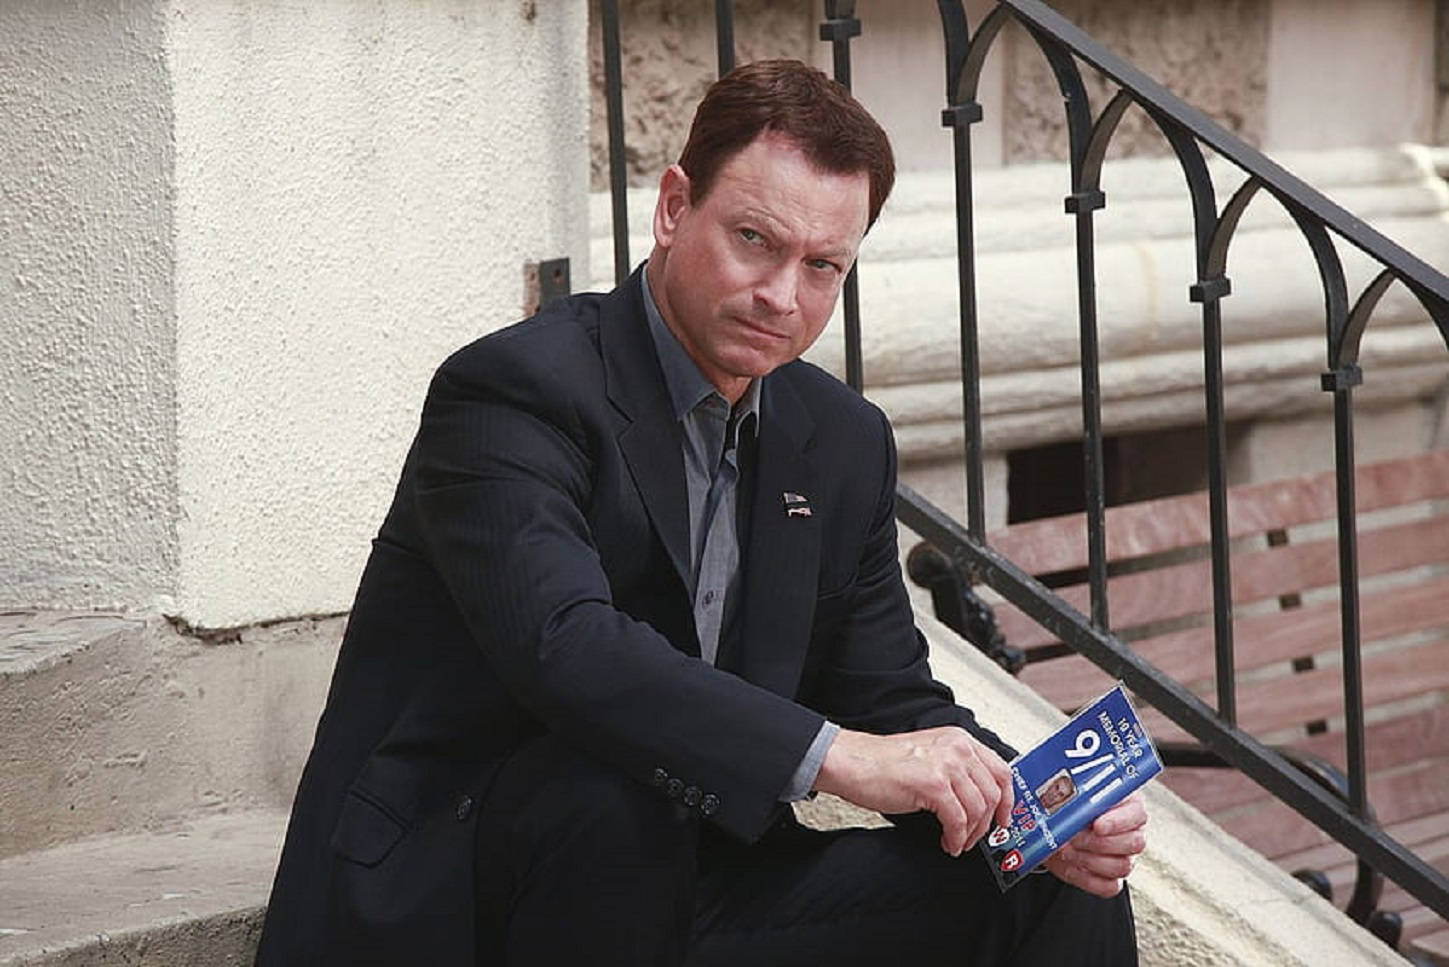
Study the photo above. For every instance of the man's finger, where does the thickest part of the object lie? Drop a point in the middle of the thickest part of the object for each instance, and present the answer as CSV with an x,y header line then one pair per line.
x,y
1129,843
953,818
1129,814
1068,870
1104,866
1001,772
978,802
990,787
989,779
1101,886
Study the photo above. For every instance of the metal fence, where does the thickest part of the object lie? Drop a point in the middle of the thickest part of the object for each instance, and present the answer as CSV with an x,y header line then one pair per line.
x,y
1321,222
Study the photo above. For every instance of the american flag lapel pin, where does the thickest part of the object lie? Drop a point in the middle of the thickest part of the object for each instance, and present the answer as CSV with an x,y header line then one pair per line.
x,y
796,505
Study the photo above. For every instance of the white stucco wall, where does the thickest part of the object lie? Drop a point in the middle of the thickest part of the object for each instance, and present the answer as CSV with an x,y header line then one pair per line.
x,y
86,315
235,240
357,187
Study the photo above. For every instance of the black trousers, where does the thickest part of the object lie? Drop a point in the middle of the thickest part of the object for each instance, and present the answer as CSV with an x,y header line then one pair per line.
x,y
577,863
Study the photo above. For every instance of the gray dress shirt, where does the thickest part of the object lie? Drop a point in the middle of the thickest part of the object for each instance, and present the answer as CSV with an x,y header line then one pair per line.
x,y
712,431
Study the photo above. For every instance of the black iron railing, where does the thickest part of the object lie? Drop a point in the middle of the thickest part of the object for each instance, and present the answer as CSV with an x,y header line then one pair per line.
x,y
1186,130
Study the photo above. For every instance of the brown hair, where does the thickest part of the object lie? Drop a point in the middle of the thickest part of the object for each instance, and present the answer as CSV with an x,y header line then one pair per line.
x,y
787,97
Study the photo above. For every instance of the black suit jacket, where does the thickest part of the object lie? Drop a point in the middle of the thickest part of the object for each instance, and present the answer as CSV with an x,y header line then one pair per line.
x,y
530,577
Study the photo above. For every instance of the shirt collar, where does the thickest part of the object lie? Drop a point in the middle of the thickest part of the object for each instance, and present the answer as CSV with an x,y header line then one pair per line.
x,y
686,384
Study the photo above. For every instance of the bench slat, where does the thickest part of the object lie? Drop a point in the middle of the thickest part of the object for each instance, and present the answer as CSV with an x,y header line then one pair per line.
x,y
1301,697
1274,829
1417,919
1259,641
1400,796
1181,590
1388,745
1421,829
1155,526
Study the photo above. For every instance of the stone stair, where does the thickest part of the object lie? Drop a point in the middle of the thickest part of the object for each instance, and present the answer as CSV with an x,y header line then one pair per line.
x,y
193,892
144,780
145,777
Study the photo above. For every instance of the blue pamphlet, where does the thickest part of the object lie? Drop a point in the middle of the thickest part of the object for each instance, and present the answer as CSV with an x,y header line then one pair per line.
x,y
1089,765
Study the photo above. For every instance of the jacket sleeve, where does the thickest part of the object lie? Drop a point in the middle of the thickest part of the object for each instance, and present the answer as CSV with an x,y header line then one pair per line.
x,y
504,480
876,677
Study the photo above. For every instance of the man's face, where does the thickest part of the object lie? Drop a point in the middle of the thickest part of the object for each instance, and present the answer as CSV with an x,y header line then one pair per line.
x,y
747,278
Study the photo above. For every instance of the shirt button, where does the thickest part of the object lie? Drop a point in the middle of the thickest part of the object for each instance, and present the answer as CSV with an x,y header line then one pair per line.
x,y
709,597
660,777
673,788
709,804
691,796
464,808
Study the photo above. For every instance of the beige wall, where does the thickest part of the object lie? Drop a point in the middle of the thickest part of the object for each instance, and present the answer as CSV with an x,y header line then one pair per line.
x,y
357,189
88,504
237,238
1346,73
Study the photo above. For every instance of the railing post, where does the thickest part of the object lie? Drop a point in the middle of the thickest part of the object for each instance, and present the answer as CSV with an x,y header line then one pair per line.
x,y
1082,204
839,26
724,35
959,117
1340,383
1210,293
614,105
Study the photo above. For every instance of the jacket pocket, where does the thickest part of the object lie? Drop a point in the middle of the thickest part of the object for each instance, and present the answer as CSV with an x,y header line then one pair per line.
x,y
365,832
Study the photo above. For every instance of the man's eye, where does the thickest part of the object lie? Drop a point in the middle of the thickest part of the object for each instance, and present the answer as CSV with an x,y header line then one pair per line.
x,y
825,265
750,235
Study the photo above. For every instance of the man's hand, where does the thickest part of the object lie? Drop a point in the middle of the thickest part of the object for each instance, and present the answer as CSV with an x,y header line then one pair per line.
x,y
942,770
1100,856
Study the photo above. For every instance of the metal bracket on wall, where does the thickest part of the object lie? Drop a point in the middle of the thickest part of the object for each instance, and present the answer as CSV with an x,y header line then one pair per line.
x,y
543,282
1441,71
1441,44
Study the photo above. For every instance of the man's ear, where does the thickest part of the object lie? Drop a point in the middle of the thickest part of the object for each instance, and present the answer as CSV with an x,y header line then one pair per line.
x,y
671,205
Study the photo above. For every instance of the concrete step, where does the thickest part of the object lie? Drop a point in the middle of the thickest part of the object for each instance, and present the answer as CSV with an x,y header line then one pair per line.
x,y
193,892
118,723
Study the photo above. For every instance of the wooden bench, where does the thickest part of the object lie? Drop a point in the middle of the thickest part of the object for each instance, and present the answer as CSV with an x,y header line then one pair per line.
x,y
1286,645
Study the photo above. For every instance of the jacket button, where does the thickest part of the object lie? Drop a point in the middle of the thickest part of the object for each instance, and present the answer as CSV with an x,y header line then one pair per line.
x,y
660,777
464,808
691,796
709,805
673,788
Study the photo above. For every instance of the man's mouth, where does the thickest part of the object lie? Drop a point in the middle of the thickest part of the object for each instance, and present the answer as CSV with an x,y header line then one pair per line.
x,y
764,329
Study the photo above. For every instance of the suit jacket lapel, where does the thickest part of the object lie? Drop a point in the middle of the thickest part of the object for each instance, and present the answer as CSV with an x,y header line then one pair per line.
x,y
782,551
650,440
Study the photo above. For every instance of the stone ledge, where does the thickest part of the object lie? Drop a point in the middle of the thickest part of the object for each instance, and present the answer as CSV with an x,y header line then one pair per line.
x,y
119,723
32,641
1020,207
1149,332
194,893
1201,899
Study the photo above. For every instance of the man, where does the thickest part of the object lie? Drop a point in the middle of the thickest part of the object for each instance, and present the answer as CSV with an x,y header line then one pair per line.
x,y
637,591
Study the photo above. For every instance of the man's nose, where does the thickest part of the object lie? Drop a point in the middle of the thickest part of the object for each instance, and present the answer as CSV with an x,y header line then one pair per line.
x,y
778,291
